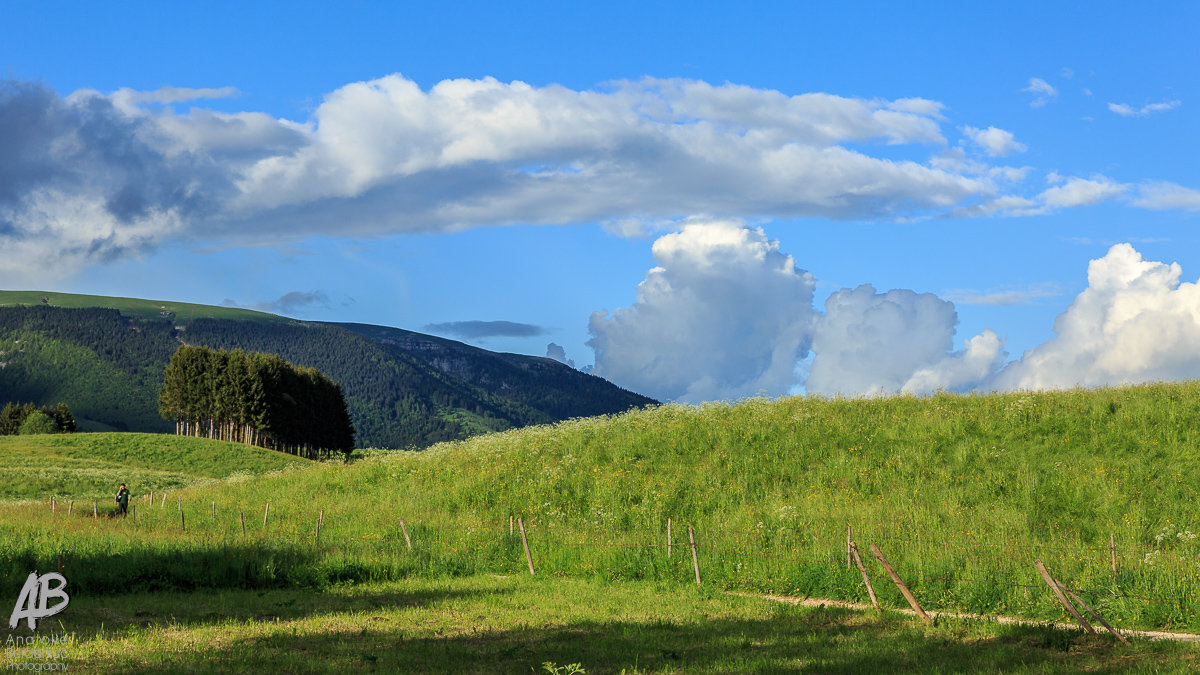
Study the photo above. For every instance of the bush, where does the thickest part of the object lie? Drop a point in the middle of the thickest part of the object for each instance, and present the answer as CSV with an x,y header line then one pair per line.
x,y
38,422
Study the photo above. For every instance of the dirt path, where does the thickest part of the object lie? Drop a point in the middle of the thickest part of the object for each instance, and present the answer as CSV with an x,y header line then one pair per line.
x,y
819,602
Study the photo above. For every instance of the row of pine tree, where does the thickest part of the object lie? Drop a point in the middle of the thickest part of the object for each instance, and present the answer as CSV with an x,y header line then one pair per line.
x,y
257,399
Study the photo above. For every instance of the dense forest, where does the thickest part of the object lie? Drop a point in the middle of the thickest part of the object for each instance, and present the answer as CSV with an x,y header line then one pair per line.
x,y
256,399
402,389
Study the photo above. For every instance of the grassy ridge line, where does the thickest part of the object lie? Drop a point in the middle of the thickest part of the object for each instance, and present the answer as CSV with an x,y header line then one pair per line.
x,y
156,310
90,466
962,494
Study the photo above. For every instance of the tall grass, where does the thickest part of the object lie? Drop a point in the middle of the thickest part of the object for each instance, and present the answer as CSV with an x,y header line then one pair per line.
x,y
962,493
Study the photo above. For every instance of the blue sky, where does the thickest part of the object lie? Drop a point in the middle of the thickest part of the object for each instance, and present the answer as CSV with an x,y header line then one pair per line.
x,y
459,164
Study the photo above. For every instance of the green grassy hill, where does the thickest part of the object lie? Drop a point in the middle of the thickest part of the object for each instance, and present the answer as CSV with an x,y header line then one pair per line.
x,y
963,494
86,467
178,313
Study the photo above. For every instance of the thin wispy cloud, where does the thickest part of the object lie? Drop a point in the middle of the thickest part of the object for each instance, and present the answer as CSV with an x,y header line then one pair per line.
x,y
1126,110
1026,295
480,330
1042,92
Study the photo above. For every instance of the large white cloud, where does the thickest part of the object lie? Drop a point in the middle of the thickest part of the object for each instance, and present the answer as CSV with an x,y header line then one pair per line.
x,y
725,315
1135,322
386,156
870,343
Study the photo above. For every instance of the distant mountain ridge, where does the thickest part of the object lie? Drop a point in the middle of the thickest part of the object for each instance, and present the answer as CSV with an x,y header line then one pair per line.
x,y
104,357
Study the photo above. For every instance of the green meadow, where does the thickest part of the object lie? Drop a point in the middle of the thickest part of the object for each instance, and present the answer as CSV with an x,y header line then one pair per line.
x,y
961,493
88,467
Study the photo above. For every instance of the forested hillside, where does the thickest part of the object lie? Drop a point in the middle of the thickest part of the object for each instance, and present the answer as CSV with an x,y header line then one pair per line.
x,y
402,388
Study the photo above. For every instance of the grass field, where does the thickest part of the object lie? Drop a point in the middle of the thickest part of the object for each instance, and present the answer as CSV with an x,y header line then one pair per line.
x,y
87,467
963,494
158,310
518,625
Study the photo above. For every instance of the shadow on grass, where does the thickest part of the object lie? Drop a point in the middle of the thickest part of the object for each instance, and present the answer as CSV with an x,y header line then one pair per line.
x,y
800,640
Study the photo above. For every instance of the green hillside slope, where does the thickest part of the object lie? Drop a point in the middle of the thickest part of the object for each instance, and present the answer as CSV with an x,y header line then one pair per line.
x,y
963,495
178,313
86,467
403,389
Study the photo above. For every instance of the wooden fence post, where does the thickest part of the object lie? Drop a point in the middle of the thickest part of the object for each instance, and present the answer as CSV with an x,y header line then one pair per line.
x,y
214,507
164,501
900,584
182,524
670,543
525,543
95,510
1112,551
695,560
510,526
320,518
866,580
53,504
405,531
1091,611
242,517
71,507
266,511
1062,599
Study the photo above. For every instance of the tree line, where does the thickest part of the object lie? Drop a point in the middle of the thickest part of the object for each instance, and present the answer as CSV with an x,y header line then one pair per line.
x,y
257,399
27,418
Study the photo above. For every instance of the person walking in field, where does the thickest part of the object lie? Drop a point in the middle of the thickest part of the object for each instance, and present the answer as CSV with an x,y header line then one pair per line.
x,y
123,500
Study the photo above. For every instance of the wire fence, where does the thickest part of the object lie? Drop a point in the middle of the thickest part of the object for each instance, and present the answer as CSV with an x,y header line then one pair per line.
x,y
993,573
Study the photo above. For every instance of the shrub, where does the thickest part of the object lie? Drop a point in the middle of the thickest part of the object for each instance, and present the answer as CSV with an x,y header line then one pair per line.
x,y
38,422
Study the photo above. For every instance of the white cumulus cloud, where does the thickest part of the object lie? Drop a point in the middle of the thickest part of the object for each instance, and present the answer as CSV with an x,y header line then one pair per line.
x,y
996,142
1135,322
1077,191
724,315
870,343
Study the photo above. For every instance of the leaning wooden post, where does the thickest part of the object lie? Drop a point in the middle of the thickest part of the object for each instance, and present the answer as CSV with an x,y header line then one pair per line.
x,y
320,518
182,524
510,526
1062,599
1091,611
405,531
242,517
214,507
53,504
151,496
670,543
71,507
900,584
525,543
266,512
164,501
1112,551
95,510
695,560
866,580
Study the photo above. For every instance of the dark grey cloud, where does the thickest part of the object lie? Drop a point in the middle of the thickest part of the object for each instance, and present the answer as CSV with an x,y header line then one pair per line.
x,y
477,330
292,302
